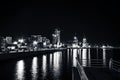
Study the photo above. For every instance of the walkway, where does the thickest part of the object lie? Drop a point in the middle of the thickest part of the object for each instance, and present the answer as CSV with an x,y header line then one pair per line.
x,y
101,74
75,74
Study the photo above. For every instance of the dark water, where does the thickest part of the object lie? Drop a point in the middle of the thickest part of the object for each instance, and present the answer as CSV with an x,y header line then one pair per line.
x,y
51,66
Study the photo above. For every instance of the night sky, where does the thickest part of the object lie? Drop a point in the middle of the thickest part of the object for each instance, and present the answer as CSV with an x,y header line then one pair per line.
x,y
99,21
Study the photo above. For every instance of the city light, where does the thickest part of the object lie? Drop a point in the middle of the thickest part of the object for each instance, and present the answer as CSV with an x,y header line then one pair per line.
x,y
35,42
21,40
103,46
15,42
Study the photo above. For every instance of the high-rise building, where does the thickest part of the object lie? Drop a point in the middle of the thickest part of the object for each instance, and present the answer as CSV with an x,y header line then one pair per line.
x,y
39,38
75,42
56,38
9,40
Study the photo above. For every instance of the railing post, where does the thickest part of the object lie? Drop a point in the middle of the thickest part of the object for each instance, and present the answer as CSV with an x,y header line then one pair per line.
x,y
89,57
80,54
110,63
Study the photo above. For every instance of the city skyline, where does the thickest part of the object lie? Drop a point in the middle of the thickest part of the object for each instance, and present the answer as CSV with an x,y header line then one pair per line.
x,y
59,40
99,21
50,37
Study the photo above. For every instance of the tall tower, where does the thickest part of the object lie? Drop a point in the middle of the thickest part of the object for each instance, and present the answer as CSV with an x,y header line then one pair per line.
x,y
75,42
56,38
84,42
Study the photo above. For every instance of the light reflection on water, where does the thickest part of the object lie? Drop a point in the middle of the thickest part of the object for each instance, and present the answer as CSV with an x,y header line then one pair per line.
x,y
20,70
44,67
74,57
34,70
57,57
77,53
84,57
51,66
51,58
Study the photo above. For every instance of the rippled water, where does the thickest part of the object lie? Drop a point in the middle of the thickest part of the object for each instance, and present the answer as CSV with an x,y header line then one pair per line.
x,y
51,66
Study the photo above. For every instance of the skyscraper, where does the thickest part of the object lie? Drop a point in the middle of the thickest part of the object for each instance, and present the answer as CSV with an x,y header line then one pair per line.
x,y
9,40
56,38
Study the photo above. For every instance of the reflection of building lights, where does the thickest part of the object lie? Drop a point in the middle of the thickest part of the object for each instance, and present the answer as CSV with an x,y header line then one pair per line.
x,y
56,62
44,65
20,70
74,57
15,42
84,57
34,68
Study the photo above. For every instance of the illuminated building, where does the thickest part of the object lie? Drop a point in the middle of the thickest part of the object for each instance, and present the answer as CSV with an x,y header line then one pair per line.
x,y
56,38
75,42
9,40
84,43
39,38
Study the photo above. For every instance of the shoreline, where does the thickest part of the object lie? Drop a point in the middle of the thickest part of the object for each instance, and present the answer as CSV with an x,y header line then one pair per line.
x,y
25,54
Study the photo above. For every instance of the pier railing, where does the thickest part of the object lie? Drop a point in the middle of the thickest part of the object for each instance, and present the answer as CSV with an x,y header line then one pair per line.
x,y
114,65
81,71
94,63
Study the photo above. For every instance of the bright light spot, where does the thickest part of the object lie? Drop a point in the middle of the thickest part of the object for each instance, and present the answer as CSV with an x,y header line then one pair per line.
x,y
103,46
21,40
35,42
44,43
15,42
54,35
55,45
75,37
13,47
89,46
